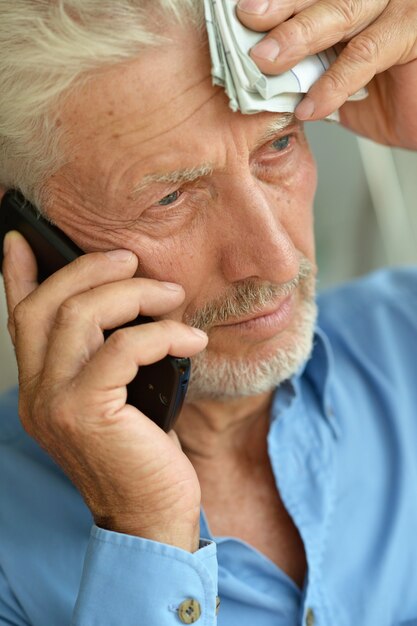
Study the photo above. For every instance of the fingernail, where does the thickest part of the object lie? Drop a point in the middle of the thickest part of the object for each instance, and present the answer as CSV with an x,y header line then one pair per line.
x,y
305,109
198,332
6,244
7,241
258,7
120,255
267,49
172,286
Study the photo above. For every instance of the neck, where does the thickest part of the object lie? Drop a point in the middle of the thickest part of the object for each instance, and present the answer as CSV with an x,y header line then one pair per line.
x,y
233,432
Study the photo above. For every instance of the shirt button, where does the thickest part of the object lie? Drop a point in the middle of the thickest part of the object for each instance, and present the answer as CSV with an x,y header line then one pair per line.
x,y
310,618
217,605
189,611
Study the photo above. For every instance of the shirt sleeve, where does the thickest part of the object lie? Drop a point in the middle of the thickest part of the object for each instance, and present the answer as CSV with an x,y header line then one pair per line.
x,y
133,581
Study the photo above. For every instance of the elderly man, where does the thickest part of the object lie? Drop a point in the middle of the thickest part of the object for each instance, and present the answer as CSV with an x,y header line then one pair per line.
x,y
287,492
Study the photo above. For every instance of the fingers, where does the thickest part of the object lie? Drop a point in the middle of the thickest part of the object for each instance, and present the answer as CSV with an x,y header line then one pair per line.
x,y
117,361
19,273
369,53
86,272
380,35
77,332
312,30
34,316
261,15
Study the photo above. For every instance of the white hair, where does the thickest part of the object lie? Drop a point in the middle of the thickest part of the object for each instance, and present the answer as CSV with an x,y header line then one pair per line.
x,y
48,48
221,377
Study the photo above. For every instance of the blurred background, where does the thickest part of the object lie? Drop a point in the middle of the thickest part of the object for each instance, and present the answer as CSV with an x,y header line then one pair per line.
x,y
366,215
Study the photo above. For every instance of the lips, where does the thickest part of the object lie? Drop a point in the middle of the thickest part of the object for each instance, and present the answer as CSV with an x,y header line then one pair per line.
x,y
264,313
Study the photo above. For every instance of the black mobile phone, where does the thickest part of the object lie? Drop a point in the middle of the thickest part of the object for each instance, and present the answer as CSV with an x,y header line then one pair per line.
x,y
158,389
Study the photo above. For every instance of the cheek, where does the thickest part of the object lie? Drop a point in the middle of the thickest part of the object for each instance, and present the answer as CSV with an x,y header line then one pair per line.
x,y
295,209
183,259
163,260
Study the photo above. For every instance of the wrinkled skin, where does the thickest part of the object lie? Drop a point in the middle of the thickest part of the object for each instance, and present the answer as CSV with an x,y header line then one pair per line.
x,y
380,51
251,218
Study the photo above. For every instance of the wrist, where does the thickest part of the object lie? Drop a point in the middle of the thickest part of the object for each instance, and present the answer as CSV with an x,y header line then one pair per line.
x,y
185,536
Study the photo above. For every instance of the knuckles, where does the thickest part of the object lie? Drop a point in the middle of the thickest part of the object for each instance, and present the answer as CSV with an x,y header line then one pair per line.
x,y
335,83
362,49
61,412
11,330
45,411
22,313
31,407
349,10
306,30
69,312
120,340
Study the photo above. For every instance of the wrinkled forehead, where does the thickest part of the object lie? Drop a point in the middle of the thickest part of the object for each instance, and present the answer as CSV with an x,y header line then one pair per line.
x,y
158,112
158,89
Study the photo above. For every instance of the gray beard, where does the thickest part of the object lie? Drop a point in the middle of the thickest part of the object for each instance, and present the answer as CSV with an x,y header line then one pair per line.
x,y
218,377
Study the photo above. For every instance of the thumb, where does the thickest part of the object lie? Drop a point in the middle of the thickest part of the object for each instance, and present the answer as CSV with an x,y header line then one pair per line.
x,y
19,272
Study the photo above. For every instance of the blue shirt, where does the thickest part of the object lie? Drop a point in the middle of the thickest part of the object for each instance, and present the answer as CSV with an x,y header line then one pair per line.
x,y
343,449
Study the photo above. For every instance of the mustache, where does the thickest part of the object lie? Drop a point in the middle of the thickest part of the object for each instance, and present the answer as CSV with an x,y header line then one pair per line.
x,y
250,298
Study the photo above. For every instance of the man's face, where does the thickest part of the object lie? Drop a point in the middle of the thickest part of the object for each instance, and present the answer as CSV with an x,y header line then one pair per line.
x,y
234,233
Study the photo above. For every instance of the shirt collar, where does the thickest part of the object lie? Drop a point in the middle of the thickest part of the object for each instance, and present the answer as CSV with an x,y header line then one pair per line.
x,y
319,370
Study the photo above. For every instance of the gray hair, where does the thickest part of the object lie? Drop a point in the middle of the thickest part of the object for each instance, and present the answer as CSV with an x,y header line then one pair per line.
x,y
48,48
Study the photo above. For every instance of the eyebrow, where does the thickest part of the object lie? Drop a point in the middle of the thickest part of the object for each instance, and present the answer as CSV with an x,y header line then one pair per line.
x,y
184,175
278,125
188,175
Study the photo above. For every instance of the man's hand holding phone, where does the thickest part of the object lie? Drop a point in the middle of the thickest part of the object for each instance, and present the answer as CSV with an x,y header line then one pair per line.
x,y
134,478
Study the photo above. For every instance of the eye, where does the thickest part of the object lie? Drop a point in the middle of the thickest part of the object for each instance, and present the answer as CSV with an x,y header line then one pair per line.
x,y
170,198
282,143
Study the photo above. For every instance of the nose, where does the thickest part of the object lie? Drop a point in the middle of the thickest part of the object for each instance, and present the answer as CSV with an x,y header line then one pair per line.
x,y
253,240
